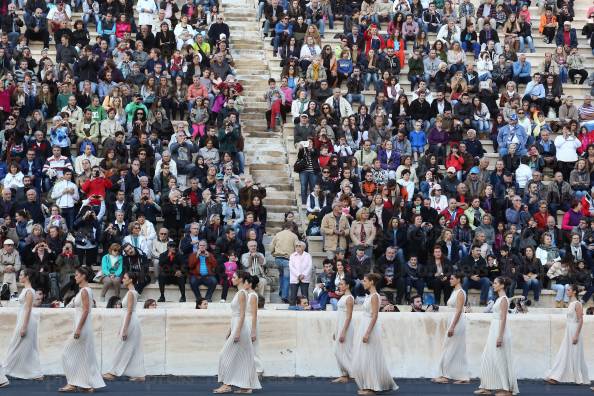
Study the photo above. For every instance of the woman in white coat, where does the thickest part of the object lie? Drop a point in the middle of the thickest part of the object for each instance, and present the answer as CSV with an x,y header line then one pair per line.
x,y
344,335
453,364
570,363
146,12
79,359
22,359
129,356
497,369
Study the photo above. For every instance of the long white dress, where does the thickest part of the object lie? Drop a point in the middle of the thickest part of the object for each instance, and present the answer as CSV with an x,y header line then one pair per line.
x,y
344,350
497,368
570,364
252,295
236,361
453,363
79,359
3,379
22,359
129,355
369,367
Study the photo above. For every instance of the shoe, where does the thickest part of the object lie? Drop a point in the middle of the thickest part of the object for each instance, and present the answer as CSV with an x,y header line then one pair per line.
x,y
222,301
4,384
182,299
14,297
161,299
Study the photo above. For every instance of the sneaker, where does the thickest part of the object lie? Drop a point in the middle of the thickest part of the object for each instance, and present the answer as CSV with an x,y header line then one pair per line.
x,y
182,299
161,299
222,301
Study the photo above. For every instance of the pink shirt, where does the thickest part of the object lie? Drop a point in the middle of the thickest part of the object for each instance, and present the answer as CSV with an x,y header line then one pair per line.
x,y
300,264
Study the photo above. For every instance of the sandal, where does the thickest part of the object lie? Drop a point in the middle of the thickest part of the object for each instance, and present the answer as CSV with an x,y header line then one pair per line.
x,y
86,390
340,380
440,380
461,382
4,384
223,389
136,379
551,381
365,392
482,392
109,377
243,391
68,389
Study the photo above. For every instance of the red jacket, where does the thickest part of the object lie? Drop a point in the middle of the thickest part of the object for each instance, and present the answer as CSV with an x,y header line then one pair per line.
x,y
457,163
448,217
586,139
96,187
367,37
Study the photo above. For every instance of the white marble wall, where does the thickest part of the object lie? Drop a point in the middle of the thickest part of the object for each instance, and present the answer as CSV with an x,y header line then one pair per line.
x,y
187,342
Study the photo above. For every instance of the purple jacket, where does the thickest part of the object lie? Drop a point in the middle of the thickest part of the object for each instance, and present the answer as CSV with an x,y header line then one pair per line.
x,y
389,163
436,136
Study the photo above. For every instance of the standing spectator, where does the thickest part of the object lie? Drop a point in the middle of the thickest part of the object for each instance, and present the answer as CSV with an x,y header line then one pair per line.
x,y
171,271
281,248
335,229
300,267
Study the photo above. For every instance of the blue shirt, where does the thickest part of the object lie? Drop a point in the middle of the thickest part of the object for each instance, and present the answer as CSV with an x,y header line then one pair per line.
x,y
203,267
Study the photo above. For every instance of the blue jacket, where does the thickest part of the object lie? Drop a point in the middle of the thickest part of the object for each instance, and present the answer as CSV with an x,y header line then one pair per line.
x,y
506,133
389,163
522,71
36,167
417,138
345,66
280,27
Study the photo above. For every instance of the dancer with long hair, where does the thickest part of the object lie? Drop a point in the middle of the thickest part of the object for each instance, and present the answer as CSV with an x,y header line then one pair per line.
x,y
129,355
497,369
78,359
570,363
370,369
453,364
237,367
344,334
22,359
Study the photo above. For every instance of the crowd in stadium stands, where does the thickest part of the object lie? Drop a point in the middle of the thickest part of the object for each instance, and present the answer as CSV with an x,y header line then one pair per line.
x,y
480,164
124,150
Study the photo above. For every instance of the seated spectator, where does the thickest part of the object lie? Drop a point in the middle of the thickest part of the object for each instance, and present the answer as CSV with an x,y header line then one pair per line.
x,y
111,270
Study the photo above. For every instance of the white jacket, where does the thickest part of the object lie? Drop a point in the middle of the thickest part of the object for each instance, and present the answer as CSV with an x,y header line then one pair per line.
x,y
65,200
566,148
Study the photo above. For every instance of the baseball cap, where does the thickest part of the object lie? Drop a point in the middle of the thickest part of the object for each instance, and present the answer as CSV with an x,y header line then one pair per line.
x,y
436,187
451,169
514,117
475,170
9,242
220,176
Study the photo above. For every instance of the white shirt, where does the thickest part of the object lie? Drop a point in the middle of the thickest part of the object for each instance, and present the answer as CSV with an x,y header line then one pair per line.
x,y
65,200
566,148
146,9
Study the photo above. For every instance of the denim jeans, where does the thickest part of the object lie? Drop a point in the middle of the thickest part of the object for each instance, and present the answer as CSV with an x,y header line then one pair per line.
x,y
534,285
560,289
355,98
308,180
563,74
208,281
526,40
481,125
283,269
484,284
475,47
417,284
369,78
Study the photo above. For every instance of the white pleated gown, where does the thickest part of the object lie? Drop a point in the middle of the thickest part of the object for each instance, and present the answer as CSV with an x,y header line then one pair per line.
x,y
497,368
22,358
344,350
79,359
3,378
369,367
570,364
453,363
256,345
129,355
236,361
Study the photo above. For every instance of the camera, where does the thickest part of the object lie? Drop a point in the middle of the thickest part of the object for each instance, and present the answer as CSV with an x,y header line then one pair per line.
x,y
96,173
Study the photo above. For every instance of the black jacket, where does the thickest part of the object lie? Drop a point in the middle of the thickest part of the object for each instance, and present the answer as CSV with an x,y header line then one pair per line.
x,y
168,267
383,264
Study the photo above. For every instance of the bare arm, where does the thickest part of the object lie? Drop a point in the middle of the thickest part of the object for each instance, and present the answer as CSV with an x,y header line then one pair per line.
x,y
374,315
349,317
459,309
86,309
128,316
502,321
27,313
242,309
254,311
579,312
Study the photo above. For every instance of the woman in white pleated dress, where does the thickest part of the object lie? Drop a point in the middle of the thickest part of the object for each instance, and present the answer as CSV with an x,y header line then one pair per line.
x,y
344,335
237,367
570,363
369,367
78,359
4,382
497,368
22,359
453,364
129,356
252,320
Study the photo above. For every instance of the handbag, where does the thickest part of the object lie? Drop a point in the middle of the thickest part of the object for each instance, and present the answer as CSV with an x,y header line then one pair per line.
x,y
98,277
300,165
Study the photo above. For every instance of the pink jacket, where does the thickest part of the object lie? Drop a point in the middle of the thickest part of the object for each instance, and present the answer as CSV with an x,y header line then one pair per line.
x,y
300,264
